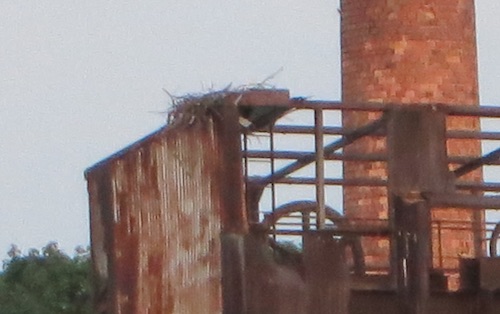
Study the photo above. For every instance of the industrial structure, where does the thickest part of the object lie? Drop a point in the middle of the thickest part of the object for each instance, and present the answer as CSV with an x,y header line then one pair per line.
x,y
195,217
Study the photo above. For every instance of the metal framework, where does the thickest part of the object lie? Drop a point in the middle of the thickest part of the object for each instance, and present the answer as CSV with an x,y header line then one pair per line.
x,y
411,260
183,220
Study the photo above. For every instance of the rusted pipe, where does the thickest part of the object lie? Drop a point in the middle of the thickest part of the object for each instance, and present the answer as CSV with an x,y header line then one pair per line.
x,y
452,110
477,163
332,130
320,169
311,157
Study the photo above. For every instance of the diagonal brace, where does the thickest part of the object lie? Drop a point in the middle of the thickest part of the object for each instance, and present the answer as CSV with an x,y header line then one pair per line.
x,y
330,148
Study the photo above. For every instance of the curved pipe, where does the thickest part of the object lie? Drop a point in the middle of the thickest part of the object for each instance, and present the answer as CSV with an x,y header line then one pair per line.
x,y
331,214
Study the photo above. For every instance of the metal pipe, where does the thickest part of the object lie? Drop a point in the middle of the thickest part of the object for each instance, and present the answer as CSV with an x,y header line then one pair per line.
x,y
486,186
422,259
440,244
462,134
245,165
328,181
273,186
304,129
470,159
453,110
331,130
264,154
361,231
477,163
309,158
320,169
455,200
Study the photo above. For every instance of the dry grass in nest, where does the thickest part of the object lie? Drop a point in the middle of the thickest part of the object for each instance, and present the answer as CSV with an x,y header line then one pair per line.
x,y
194,108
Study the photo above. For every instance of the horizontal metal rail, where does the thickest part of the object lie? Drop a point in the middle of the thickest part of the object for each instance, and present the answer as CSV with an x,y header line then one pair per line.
x,y
462,134
333,130
477,186
455,200
282,154
364,231
264,154
461,185
379,227
370,230
310,158
328,181
452,110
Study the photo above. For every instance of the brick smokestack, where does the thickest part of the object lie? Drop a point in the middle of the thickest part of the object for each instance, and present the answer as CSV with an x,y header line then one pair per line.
x,y
408,51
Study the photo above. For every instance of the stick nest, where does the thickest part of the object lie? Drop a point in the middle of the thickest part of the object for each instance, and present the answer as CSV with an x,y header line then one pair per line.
x,y
193,108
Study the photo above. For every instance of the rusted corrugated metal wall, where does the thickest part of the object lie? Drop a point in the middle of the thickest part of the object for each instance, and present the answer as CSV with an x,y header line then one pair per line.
x,y
156,223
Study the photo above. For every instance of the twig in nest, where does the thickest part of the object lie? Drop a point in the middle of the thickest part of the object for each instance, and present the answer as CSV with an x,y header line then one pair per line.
x,y
190,108
270,77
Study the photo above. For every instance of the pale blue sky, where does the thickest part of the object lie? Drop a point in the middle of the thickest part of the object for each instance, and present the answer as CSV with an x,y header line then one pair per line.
x,y
79,79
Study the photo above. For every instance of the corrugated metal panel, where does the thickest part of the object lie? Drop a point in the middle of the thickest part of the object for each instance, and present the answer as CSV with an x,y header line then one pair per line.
x,y
156,223
158,209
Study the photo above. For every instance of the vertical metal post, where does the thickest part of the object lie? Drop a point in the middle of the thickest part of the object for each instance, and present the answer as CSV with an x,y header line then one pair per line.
x,y
414,256
422,255
440,243
418,162
273,186
232,208
233,273
245,173
320,168
306,221
478,231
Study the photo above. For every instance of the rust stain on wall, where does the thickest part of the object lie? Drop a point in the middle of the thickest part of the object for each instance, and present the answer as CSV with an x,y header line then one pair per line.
x,y
155,220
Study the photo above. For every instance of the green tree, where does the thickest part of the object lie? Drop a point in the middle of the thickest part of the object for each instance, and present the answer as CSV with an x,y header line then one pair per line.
x,y
49,282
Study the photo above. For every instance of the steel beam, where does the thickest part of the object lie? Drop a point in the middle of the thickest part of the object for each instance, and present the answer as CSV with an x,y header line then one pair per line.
x,y
452,110
477,163
413,255
331,130
320,169
309,158
465,201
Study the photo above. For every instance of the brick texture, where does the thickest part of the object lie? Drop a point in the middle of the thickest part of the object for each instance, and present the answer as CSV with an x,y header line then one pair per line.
x,y
408,52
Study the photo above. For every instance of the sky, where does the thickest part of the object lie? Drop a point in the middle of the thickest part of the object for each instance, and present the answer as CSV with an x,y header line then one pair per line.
x,y
80,80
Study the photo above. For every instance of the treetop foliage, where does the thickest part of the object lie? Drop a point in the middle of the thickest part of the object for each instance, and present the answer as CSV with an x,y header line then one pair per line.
x,y
46,282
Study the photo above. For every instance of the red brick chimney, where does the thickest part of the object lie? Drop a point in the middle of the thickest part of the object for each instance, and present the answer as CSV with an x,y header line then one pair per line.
x,y
408,51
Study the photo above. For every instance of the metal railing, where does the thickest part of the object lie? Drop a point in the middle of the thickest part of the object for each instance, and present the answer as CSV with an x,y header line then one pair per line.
x,y
293,172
